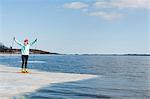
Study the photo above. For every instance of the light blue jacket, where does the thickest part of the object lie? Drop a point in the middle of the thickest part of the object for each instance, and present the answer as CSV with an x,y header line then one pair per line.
x,y
25,49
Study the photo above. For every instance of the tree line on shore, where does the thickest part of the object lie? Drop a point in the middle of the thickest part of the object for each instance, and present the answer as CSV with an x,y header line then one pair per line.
x,y
9,50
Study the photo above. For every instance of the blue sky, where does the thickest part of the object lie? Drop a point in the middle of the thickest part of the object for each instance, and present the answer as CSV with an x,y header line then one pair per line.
x,y
78,26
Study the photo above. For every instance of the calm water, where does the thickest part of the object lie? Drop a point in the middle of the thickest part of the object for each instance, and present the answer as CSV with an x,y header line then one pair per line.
x,y
120,77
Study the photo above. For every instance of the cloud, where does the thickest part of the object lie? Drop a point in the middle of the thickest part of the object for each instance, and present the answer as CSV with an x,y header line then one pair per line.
x,y
102,4
107,15
75,5
108,9
134,4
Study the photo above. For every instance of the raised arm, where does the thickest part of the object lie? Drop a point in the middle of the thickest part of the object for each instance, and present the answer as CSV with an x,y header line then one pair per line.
x,y
19,43
33,42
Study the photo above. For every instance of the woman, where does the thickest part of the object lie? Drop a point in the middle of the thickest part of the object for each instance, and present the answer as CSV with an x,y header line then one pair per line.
x,y
25,50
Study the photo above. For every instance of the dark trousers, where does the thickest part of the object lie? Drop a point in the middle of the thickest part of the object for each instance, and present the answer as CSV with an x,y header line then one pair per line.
x,y
24,60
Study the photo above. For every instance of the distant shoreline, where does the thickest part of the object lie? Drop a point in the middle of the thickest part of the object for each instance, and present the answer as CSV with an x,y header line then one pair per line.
x,y
6,50
50,53
116,54
32,51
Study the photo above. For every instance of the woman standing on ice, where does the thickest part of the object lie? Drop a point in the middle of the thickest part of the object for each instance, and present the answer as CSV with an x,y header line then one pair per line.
x,y
25,50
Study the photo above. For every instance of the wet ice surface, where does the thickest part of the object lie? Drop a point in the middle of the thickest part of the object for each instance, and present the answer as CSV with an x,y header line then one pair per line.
x,y
36,62
12,82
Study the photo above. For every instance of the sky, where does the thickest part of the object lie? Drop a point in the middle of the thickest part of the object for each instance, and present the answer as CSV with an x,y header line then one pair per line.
x,y
78,26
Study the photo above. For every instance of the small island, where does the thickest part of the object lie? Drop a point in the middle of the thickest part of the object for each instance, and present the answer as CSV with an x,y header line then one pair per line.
x,y
9,50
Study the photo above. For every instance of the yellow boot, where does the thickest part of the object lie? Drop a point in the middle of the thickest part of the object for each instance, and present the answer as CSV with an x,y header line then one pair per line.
x,y
23,70
26,70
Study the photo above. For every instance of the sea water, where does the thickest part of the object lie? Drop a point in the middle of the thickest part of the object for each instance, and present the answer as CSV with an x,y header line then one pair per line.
x,y
120,77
